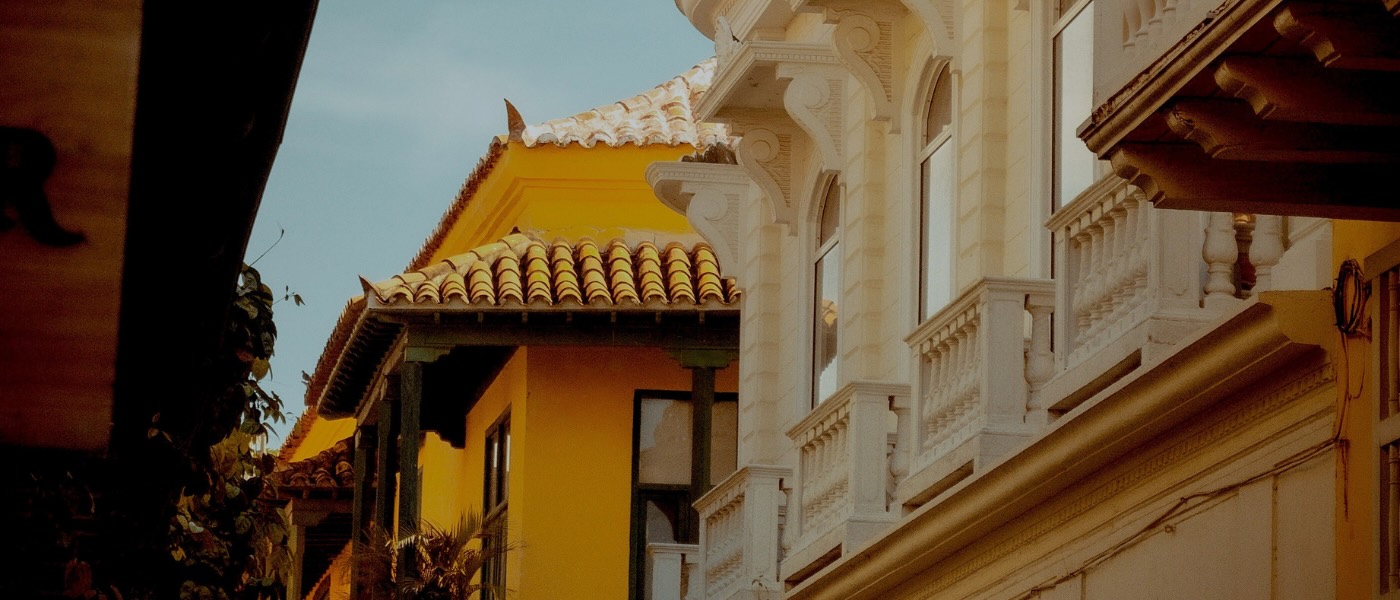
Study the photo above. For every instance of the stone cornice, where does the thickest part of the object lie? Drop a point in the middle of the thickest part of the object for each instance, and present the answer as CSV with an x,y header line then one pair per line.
x,y
733,70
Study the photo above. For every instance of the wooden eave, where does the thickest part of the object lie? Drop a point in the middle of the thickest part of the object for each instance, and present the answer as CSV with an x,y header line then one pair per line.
x,y
1272,106
429,332
214,86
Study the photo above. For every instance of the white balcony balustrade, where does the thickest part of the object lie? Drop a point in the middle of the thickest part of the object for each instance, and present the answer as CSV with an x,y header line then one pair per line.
x,y
1133,280
674,571
740,528
979,360
843,474
1129,35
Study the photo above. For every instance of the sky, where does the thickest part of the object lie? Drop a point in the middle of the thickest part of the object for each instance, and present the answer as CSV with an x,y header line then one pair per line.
x,y
395,104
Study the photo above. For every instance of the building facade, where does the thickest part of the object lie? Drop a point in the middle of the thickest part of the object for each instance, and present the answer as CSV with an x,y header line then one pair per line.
x,y
982,360
559,359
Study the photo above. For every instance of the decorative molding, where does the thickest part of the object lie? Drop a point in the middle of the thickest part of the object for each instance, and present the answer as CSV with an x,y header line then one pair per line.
x,y
815,99
864,41
766,155
1209,436
709,196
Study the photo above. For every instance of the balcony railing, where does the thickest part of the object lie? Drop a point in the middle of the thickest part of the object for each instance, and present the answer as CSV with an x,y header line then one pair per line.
x,y
1133,280
843,484
977,365
674,570
1129,35
740,529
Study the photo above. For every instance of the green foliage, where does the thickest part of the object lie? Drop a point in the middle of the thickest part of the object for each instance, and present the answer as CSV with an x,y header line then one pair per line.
x,y
227,542
446,563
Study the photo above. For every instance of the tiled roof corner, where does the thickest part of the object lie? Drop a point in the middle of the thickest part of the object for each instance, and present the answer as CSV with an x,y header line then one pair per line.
x,y
662,115
520,270
331,469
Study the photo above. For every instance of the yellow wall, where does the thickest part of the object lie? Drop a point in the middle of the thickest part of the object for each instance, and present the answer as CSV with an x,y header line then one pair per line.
x,y
1356,533
324,433
571,464
571,192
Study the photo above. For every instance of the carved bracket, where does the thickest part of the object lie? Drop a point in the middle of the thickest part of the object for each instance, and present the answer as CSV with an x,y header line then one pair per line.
x,y
766,155
709,196
815,100
864,41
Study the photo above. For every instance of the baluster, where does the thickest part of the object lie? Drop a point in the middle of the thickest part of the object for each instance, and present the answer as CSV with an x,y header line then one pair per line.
x,y
1141,245
899,457
1266,250
1040,360
1220,252
1118,267
1096,283
1080,290
1244,239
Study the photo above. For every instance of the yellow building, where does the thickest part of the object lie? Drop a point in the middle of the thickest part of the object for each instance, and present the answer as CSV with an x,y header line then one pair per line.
x,y
1012,367
558,357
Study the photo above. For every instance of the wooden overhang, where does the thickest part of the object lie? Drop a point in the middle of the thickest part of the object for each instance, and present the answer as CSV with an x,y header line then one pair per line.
x,y
465,316
1269,106
214,88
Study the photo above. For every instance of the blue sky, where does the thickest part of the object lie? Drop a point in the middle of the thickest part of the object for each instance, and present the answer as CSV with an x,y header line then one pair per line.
x,y
395,105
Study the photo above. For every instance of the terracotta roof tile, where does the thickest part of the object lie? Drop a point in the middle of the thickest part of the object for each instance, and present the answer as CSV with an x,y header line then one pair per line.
x,y
331,469
662,115
522,271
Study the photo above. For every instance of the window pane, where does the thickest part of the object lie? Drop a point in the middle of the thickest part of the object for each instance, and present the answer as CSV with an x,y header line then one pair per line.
x,y
940,108
824,359
663,447
938,230
1074,97
724,440
831,214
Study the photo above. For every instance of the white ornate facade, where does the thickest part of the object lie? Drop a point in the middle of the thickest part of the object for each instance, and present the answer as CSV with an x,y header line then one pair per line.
x,y
1097,359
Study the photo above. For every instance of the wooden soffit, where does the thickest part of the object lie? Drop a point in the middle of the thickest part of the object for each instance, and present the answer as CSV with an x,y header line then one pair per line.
x,y
1270,107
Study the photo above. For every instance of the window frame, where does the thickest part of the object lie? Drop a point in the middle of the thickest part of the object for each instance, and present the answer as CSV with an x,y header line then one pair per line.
x,y
925,150
1383,269
687,529
495,493
823,248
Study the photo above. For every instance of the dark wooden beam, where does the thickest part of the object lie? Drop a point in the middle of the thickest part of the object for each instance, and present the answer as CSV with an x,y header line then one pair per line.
x,y
365,444
1181,176
667,335
1301,90
1229,130
387,456
410,486
1343,35
702,403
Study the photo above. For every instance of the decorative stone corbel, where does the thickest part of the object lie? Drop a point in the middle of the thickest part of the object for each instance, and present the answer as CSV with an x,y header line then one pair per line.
x,y
766,154
864,41
815,100
786,100
709,196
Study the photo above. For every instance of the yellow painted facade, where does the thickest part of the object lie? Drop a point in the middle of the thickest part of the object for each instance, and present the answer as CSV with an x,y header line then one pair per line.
x,y
570,470
570,192
570,404
1357,507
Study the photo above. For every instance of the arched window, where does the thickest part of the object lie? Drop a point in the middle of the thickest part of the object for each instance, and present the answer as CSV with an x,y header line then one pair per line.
x,y
936,181
826,309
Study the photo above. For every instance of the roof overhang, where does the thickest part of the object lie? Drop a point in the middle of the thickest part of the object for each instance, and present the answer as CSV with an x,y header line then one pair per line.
x,y
1268,106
